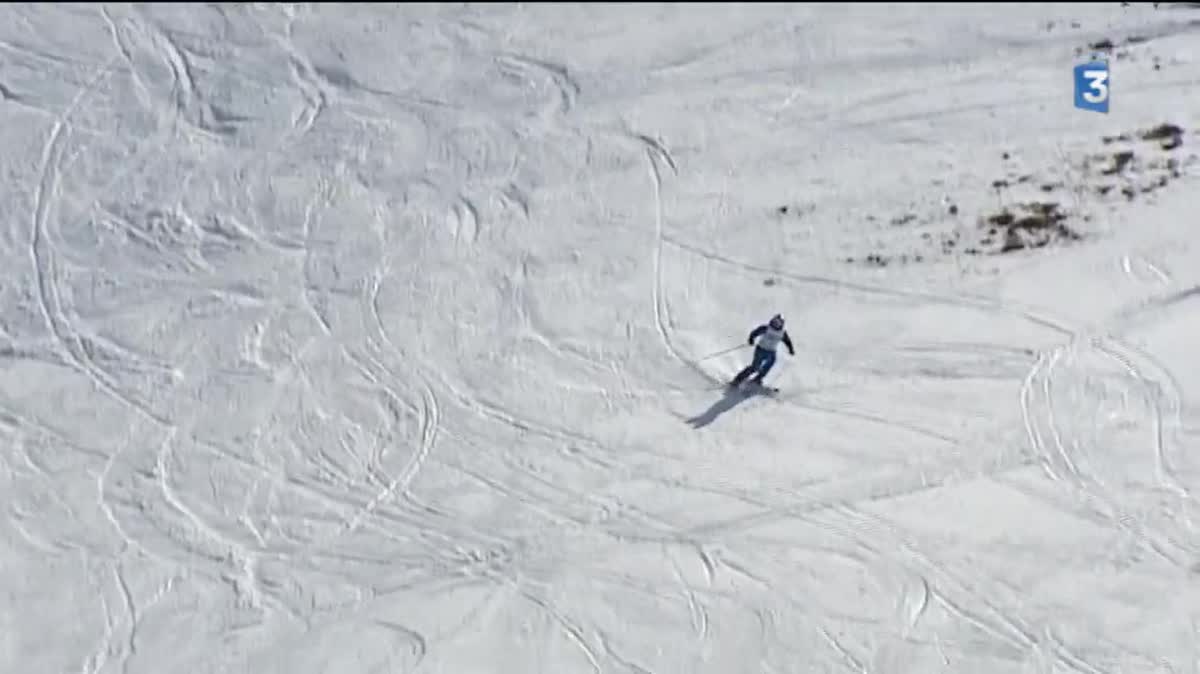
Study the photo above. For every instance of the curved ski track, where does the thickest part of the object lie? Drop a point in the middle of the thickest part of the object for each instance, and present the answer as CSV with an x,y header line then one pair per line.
x,y
1057,445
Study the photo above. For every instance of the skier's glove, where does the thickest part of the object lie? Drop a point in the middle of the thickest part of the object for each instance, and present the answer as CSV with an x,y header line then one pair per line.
x,y
791,352
750,341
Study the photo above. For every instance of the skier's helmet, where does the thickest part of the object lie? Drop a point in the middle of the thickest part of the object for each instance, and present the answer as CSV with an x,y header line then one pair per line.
x,y
776,322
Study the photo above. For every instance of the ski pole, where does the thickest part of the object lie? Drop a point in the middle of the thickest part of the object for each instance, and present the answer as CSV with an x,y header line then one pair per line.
x,y
722,352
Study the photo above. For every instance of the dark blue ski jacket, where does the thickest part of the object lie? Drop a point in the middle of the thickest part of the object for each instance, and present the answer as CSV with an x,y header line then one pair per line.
x,y
773,337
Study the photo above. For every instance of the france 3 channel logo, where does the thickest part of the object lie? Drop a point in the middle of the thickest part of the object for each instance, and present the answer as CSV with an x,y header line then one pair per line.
x,y
1092,86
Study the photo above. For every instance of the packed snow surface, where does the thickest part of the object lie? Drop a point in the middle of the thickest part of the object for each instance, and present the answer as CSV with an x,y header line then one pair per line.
x,y
353,339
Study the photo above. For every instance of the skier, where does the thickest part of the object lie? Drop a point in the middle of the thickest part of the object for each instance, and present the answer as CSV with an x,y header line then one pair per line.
x,y
769,336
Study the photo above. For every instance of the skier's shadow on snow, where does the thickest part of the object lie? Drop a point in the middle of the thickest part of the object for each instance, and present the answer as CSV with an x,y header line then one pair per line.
x,y
731,398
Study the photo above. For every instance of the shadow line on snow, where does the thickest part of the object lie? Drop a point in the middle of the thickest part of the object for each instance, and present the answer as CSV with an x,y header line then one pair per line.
x,y
730,398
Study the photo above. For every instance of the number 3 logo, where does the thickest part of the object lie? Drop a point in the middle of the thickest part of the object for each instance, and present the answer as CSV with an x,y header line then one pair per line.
x,y
1097,86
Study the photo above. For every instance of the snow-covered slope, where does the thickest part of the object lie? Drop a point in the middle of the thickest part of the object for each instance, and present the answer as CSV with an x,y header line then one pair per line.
x,y
345,339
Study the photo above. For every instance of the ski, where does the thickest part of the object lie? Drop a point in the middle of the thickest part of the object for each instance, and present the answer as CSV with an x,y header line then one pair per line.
x,y
752,388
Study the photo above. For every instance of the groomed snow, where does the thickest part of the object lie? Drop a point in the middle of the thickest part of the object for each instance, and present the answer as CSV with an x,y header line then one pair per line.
x,y
353,339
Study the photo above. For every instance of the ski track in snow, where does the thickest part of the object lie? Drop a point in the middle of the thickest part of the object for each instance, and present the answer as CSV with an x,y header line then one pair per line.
x,y
355,338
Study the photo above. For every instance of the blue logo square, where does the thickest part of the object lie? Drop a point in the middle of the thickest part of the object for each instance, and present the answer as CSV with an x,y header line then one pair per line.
x,y
1092,86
